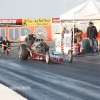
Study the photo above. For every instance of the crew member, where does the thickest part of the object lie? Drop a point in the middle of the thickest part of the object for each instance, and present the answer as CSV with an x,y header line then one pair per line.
x,y
64,31
92,36
75,32
5,45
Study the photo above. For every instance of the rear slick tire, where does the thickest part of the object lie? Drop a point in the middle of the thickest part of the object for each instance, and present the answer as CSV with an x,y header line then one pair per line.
x,y
23,52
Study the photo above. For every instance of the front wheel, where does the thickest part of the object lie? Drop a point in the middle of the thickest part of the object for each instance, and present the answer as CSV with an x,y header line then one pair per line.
x,y
70,56
47,57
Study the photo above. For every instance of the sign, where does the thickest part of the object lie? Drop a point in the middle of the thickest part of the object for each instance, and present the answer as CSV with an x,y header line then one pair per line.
x,y
28,22
58,43
37,22
17,34
40,32
42,22
10,21
55,20
67,42
7,21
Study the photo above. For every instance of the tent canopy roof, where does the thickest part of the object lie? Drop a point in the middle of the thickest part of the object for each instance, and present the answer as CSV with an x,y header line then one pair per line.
x,y
87,10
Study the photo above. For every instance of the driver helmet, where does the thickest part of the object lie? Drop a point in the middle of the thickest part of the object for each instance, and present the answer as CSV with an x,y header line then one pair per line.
x,y
32,37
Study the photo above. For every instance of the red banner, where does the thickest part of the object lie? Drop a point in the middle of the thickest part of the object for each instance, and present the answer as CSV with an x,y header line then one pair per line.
x,y
11,21
55,20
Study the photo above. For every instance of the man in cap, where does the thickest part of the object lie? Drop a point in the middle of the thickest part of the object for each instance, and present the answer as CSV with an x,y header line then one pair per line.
x,y
92,36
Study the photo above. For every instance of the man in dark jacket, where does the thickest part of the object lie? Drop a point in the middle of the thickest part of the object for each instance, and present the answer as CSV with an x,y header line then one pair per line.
x,y
92,36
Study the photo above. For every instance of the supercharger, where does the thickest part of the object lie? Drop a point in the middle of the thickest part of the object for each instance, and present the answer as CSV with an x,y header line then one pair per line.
x,y
39,46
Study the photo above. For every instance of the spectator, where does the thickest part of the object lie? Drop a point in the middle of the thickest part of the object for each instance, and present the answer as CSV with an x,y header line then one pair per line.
x,y
6,45
63,32
92,36
79,36
75,32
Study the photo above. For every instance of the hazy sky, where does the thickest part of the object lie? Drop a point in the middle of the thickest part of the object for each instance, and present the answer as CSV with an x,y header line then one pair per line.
x,y
36,8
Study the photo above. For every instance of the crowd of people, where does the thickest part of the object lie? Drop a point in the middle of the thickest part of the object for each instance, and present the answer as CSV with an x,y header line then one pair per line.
x,y
92,36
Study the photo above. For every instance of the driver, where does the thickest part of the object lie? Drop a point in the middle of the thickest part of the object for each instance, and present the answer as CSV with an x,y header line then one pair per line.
x,y
5,45
34,44
30,39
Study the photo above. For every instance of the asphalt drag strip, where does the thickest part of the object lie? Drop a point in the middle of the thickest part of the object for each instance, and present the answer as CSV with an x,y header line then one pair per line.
x,y
36,80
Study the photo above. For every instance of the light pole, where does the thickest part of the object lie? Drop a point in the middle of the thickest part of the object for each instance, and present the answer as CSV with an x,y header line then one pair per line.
x,y
64,5
6,14
35,10
6,11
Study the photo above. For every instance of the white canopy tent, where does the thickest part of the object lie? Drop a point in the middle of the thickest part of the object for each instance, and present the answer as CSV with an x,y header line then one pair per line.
x,y
86,11
89,10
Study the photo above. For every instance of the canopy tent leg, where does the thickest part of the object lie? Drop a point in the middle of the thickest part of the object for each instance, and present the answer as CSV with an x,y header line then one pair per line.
x,y
60,27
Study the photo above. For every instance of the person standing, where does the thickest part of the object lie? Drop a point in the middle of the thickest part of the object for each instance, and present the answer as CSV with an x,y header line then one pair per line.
x,y
63,32
75,32
92,36
79,36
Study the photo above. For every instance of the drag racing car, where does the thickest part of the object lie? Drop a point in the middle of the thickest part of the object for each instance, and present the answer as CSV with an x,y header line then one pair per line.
x,y
35,48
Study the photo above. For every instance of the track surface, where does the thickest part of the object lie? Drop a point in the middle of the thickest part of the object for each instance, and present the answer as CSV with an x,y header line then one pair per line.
x,y
77,81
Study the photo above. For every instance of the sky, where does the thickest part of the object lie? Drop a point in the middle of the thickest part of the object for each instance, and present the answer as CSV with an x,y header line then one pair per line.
x,y
36,8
